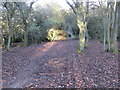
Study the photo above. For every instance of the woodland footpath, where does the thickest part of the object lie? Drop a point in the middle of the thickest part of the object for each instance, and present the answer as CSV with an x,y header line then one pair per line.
x,y
58,65
48,46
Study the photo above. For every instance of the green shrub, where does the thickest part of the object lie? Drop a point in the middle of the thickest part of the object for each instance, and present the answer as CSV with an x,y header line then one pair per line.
x,y
79,51
55,34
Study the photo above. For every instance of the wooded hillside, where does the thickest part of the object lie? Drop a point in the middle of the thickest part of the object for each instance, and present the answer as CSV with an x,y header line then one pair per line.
x,y
48,46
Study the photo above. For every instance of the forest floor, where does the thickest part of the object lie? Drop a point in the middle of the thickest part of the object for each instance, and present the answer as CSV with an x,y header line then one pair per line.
x,y
58,65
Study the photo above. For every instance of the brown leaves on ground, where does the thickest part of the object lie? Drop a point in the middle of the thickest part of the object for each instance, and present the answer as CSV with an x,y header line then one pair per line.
x,y
58,65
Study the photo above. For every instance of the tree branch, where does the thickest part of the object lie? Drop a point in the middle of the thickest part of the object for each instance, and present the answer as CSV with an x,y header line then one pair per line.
x,y
71,7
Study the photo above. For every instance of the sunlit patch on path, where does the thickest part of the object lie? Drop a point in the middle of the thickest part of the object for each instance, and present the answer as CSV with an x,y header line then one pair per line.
x,y
58,65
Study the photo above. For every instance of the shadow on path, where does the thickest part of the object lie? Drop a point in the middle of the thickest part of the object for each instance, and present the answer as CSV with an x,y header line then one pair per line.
x,y
58,65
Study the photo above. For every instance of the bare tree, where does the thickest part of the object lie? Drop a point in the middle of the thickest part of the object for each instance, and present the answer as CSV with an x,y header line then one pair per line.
x,y
81,14
110,21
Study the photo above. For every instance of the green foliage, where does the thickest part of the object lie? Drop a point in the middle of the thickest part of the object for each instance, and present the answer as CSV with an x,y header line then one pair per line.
x,y
86,45
79,51
70,20
36,34
39,24
95,28
55,34
36,23
113,51
33,27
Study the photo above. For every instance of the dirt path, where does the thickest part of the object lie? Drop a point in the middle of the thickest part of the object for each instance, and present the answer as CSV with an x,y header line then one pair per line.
x,y
57,65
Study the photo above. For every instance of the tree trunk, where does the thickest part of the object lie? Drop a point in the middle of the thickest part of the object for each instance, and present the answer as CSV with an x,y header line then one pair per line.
x,y
108,26
81,22
10,30
104,23
82,26
114,43
9,41
111,28
26,37
105,32
87,12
